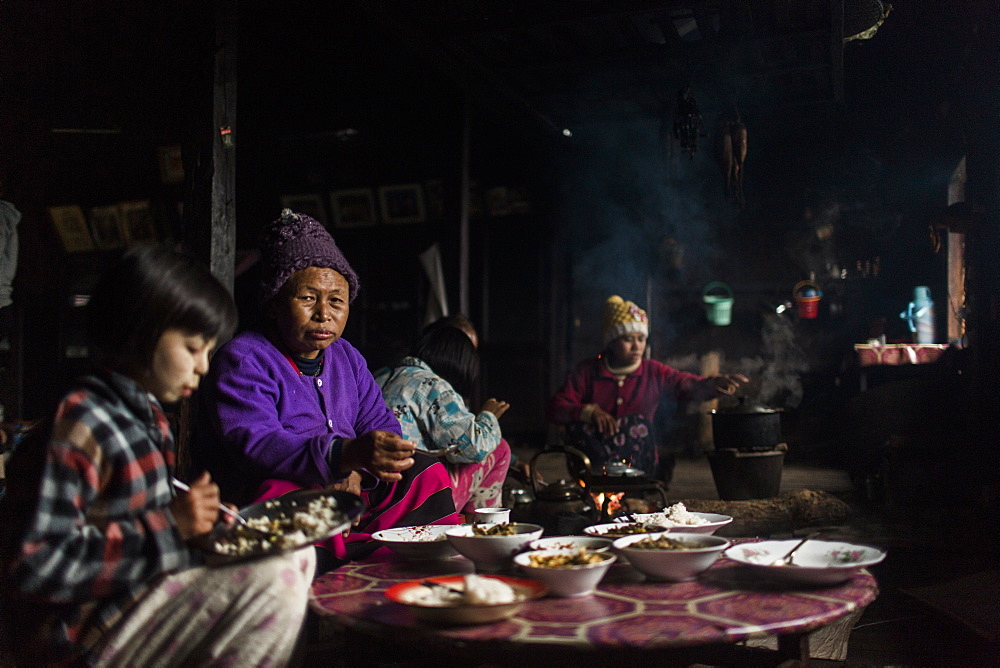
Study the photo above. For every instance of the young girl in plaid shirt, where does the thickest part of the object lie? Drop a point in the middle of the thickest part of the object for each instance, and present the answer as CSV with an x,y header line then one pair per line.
x,y
95,566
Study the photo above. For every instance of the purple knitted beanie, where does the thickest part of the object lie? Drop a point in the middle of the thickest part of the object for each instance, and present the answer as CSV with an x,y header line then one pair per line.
x,y
296,241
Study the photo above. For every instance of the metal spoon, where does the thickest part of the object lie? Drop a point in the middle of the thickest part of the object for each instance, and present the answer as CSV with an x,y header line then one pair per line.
x,y
441,452
787,559
184,487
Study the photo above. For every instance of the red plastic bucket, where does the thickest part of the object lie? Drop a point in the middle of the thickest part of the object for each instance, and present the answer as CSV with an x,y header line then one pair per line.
x,y
807,295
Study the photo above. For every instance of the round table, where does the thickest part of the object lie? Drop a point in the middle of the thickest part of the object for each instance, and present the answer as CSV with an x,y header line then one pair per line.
x,y
626,618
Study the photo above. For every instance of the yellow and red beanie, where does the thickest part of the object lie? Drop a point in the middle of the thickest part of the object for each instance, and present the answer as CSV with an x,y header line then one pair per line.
x,y
620,317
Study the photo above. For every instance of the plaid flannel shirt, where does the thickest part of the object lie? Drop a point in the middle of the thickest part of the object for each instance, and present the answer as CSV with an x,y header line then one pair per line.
x,y
101,529
434,415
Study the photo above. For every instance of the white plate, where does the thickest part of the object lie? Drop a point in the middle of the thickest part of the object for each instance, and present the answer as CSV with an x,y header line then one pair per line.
x,y
592,543
613,530
817,562
420,542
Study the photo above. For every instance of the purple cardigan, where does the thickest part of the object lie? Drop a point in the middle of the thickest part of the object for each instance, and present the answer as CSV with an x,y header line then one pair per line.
x,y
260,418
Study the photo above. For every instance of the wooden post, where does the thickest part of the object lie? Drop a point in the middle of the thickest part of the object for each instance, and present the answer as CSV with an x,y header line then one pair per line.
x,y
463,249
212,188
222,252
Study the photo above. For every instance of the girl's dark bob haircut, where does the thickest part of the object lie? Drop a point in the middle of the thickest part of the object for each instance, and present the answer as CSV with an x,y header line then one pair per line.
x,y
449,352
149,290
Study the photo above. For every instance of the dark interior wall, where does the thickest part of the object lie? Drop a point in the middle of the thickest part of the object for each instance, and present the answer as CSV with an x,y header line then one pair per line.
x,y
91,91
330,102
614,209
133,80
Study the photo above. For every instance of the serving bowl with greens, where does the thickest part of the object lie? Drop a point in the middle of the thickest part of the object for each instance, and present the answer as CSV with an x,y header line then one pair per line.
x,y
491,547
566,573
674,557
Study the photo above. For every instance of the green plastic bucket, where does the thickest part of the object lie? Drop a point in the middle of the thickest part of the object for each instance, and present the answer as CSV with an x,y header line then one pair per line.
x,y
718,300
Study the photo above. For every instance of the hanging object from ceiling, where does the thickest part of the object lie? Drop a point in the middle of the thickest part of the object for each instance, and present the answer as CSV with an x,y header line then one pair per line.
x,y
688,125
862,18
731,152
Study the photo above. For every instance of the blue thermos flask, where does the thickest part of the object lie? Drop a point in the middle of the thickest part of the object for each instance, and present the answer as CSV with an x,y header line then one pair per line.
x,y
919,315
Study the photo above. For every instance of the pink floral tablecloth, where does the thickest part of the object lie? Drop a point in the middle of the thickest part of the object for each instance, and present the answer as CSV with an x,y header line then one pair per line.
x,y
726,604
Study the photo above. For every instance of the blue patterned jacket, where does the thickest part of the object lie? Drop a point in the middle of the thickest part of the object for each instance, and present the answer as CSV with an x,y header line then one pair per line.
x,y
434,415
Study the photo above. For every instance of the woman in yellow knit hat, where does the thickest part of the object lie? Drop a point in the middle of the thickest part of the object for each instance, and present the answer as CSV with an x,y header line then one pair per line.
x,y
608,403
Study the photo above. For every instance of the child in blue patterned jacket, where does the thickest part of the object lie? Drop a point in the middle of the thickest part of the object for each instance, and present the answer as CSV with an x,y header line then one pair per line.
x,y
425,391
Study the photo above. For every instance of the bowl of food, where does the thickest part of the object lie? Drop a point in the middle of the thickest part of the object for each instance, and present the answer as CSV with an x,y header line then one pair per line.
x,y
566,573
677,518
814,563
491,547
421,542
615,530
674,557
592,543
465,599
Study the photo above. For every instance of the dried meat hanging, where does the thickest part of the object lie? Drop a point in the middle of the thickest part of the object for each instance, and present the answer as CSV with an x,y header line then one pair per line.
x,y
731,152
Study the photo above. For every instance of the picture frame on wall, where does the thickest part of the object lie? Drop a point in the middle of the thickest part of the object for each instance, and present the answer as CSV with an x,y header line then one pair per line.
x,y
402,204
106,227
434,199
353,208
137,221
308,203
71,226
170,160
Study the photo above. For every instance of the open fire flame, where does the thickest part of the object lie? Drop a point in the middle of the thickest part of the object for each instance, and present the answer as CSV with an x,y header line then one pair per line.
x,y
609,504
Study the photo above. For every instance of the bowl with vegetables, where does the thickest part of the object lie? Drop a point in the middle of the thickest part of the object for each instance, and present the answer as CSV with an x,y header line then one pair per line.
x,y
491,547
566,573
673,557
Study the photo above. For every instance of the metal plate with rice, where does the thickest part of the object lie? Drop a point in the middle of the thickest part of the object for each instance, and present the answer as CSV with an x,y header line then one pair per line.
x,y
297,519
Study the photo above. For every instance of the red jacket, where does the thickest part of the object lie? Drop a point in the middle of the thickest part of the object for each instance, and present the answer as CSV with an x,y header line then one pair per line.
x,y
638,393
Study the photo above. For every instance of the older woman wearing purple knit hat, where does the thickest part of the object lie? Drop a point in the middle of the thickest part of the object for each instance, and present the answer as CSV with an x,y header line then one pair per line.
x,y
294,405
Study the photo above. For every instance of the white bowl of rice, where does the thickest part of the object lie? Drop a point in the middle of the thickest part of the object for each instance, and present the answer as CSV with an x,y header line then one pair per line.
x,y
677,518
465,599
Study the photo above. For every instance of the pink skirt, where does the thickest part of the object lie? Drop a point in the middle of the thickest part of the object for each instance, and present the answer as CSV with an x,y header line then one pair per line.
x,y
423,496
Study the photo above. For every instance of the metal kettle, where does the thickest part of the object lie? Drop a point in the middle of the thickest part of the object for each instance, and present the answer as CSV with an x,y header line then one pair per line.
x,y
562,495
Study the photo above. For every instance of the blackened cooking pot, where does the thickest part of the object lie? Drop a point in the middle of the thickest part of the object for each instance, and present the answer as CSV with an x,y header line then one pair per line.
x,y
749,426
